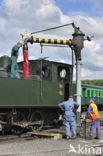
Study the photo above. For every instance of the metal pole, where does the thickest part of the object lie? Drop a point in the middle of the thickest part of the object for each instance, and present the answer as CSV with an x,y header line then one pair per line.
x,y
71,92
72,57
78,91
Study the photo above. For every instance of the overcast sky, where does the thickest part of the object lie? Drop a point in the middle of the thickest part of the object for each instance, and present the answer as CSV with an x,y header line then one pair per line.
x,y
26,16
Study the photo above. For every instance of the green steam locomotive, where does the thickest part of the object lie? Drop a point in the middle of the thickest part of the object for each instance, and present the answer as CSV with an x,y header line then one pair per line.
x,y
33,100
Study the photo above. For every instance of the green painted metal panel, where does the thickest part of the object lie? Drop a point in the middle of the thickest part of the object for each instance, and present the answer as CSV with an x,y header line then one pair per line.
x,y
52,94
20,92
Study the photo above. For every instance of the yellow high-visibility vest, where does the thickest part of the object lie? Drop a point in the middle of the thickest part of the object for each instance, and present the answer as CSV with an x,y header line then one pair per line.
x,y
94,113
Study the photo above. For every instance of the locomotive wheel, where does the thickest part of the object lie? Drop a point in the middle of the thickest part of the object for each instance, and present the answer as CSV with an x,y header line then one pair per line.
x,y
16,117
38,119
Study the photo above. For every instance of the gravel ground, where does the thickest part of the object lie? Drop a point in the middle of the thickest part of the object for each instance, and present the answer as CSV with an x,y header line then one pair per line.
x,y
34,146
48,147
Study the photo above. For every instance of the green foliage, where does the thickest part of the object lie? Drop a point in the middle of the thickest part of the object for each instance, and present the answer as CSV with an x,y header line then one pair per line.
x,y
98,82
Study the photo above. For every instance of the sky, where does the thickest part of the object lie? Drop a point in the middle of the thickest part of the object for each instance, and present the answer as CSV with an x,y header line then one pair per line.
x,y
25,16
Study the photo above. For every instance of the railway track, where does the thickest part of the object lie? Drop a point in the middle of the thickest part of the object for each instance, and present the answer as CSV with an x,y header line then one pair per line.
x,y
50,129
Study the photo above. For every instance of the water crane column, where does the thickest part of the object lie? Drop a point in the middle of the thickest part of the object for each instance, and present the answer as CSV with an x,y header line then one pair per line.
x,y
78,44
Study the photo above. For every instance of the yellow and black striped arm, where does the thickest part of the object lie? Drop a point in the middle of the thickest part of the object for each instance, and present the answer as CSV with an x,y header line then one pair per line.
x,y
51,41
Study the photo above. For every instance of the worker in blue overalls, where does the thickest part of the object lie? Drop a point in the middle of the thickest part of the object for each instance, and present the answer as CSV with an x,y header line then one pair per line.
x,y
70,107
14,57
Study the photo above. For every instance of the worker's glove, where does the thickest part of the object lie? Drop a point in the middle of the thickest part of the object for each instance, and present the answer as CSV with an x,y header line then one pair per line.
x,y
60,117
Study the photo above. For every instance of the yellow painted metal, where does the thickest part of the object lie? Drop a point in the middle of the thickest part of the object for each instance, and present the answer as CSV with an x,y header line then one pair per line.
x,y
40,39
64,41
52,40
70,42
24,35
44,134
58,41
34,39
46,40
